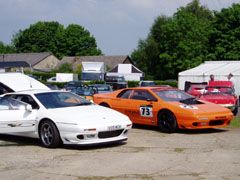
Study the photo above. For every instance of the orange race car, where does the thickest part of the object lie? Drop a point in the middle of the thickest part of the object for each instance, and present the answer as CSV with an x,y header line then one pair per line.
x,y
166,107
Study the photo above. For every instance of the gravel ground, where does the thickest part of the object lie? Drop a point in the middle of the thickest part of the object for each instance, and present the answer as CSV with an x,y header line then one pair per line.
x,y
148,154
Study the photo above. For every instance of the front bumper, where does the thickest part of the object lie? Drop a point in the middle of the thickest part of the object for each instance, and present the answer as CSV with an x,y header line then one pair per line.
x,y
205,122
98,136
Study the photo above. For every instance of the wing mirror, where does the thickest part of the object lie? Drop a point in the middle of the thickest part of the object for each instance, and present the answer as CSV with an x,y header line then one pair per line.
x,y
29,108
149,100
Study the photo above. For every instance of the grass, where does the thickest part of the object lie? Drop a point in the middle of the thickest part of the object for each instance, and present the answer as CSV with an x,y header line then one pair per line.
x,y
235,123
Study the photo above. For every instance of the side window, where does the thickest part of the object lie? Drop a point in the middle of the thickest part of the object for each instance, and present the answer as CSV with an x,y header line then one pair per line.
x,y
125,94
27,99
142,95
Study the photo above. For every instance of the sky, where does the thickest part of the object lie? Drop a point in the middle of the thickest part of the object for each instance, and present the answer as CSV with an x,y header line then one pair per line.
x,y
117,25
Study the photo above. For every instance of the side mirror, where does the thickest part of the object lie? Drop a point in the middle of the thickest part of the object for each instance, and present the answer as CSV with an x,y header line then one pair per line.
x,y
29,108
149,100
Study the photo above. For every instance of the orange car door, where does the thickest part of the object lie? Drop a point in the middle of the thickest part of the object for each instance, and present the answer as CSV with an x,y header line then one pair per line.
x,y
142,107
121,102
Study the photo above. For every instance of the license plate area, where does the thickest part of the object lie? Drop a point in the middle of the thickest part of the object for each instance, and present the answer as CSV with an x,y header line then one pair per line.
x,y
115,127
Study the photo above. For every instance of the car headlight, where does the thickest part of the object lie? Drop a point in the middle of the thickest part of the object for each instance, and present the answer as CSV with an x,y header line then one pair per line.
x,y
185,106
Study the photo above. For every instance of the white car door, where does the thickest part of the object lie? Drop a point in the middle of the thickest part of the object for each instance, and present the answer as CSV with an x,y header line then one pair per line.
x,y
16,116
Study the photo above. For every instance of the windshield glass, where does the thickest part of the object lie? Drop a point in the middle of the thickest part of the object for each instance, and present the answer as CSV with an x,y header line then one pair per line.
x,y
172,95
218,90
83,91
104,88
61,99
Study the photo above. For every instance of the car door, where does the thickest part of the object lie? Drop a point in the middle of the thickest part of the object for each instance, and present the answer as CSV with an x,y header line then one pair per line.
x,y
143,104
122,102
16,116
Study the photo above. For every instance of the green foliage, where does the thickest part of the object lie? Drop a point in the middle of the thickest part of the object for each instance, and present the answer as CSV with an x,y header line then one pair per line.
x,y
225,35
64,68
52,37
175,43
43,76
4,49
235,123
133,83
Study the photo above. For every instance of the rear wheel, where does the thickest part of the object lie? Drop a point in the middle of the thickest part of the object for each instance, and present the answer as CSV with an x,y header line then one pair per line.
x,y
167,121
104,105
49,135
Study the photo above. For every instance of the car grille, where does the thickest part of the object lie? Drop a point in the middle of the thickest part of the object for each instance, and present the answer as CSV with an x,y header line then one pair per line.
x,y
109,134
216,123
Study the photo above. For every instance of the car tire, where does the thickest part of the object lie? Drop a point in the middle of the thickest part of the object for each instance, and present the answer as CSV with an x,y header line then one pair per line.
x,y
104,105
49,135
167,122
235,111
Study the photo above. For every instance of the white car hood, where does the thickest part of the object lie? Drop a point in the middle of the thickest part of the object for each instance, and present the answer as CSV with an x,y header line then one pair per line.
x,y
20,82
85,115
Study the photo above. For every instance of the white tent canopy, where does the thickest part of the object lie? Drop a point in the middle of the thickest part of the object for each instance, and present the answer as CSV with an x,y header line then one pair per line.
x,y
220,69
129,71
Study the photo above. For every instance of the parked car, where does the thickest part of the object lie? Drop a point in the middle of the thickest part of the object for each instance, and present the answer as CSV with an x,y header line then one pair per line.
x,y
57,117
146,83
166,107
52,86
52,79
73,84
101,88
222,93
85,92
116,82
195,88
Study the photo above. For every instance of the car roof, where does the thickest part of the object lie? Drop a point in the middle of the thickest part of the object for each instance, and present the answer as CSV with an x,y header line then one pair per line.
x,y
35,91
18,82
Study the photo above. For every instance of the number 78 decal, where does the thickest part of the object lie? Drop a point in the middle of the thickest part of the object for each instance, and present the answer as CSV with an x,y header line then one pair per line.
x,y
146,111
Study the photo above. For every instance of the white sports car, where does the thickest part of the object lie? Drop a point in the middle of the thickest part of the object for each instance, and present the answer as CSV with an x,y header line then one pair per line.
x,y
58,117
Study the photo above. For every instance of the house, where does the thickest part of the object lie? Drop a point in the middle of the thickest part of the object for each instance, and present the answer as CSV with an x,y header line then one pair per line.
x,y
109,61
44,61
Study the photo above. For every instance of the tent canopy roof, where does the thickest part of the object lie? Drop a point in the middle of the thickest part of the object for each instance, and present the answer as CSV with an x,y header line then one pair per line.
x,y
214,67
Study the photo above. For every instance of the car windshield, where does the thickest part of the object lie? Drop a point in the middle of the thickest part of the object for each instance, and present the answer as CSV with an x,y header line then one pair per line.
x,y
103,88
74,83
83,91
61,99
115,79
173,95
218,90
146,83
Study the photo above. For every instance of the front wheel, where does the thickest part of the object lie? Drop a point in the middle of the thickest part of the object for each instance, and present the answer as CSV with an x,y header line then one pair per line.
x,y
49,135
167,121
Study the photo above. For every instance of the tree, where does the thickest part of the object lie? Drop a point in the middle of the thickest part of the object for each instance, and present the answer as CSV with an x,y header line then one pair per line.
x,y
6,48
64,68
225,36
52,37
175,43
76,41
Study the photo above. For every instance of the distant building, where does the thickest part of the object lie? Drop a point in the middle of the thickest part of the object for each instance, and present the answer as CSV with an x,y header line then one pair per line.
x,y
109,61
44,62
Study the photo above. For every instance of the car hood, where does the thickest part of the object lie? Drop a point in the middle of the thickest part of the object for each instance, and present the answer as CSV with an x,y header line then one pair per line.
x,y
85,115
20,82
219,99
